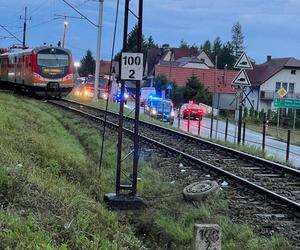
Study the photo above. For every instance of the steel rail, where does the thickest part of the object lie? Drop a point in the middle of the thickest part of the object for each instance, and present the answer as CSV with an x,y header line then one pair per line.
x,y
262,190
268,163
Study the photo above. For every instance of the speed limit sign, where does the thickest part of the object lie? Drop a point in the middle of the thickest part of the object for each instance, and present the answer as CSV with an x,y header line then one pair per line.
x,y
132,66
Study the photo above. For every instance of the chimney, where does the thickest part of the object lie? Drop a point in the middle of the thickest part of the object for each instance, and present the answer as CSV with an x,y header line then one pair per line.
x,y
269,58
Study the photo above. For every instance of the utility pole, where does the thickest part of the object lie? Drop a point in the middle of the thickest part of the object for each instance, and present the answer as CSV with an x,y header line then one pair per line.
x,y
66,26
99,39
65,31
24,28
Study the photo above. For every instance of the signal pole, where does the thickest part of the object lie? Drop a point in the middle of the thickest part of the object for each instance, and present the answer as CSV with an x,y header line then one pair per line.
x,y
24,28
99,38
128,198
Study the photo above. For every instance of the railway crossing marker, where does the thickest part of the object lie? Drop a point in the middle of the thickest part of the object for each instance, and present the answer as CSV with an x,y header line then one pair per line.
x,y
241,81
243,62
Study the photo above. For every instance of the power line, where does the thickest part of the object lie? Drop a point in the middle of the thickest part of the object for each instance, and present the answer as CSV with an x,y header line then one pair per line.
x,y
10,33
44,22
85,17
37,8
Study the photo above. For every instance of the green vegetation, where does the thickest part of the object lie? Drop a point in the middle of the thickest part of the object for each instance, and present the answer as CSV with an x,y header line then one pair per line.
x,y
49,178
50,185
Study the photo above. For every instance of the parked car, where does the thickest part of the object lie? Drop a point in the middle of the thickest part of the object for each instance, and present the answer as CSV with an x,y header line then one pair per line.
x,y
192,110
161,109
88,90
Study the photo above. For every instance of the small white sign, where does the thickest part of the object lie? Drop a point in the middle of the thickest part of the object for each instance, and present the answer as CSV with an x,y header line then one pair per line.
x,y
132,66
241,79
243,62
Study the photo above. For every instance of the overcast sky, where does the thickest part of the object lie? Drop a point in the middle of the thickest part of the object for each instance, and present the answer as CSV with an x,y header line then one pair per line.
x,y
271,27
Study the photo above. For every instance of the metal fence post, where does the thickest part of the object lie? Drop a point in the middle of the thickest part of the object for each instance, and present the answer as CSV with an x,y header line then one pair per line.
x,y
179,117
189,119
199,125
244,132
211,124
288,145
264,138
226,129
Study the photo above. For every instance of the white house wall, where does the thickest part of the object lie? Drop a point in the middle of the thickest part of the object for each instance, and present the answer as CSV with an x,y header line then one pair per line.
x,y
207,60
282,76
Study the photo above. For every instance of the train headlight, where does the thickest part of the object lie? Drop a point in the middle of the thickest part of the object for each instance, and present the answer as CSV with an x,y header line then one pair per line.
x,y
126,96
86,92
172,113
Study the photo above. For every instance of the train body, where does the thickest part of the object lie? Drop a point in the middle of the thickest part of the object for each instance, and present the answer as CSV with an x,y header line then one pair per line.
x,y
44,71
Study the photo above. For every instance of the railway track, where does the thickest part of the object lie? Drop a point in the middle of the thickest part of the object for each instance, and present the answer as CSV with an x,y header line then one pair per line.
x,y
263,193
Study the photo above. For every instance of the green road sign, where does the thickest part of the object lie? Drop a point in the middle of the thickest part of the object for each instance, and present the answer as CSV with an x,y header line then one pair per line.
x,y
287,103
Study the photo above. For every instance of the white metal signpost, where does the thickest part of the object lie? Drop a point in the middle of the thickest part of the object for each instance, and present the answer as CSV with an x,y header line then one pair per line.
x,y
241,81
132,66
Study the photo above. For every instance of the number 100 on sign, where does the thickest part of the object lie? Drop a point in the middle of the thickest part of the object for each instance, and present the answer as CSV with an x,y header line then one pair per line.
x,y
132,66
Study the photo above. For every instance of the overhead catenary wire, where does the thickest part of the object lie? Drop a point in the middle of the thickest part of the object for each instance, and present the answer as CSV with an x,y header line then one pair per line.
x,y
109,83
85,17
3,27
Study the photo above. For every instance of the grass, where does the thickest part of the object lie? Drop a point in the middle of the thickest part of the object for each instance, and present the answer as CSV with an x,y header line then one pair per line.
x,y
280,134
46,177
49,178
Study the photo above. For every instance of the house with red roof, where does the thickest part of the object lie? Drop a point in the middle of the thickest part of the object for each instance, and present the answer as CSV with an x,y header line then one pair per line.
x,y
267,78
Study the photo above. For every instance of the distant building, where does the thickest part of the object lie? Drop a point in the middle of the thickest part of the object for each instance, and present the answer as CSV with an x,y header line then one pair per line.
x,y
216,80
176,57
267,78
105,67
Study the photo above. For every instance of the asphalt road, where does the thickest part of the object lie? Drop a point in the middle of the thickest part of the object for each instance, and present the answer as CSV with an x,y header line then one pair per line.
x,y
273,146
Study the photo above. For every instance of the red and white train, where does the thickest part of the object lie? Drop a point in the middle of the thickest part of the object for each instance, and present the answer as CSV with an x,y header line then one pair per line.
x,y
44,71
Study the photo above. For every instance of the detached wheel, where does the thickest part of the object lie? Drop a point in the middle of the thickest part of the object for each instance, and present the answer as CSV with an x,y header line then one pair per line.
x,y
198,191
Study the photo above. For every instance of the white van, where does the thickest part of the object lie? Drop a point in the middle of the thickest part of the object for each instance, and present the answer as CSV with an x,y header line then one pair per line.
x,y
145,93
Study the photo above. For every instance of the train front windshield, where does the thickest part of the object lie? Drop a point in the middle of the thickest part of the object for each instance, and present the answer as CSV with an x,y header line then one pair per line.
x,y
53,60
53,63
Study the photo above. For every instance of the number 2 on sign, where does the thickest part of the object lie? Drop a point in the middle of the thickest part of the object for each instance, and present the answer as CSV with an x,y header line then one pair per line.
x,y
131,73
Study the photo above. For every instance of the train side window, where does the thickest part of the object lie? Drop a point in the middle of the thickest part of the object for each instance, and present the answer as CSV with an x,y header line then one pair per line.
x,y
29,64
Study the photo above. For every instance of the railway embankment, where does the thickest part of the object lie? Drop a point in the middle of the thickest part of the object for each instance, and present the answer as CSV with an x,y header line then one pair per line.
x,y
51,189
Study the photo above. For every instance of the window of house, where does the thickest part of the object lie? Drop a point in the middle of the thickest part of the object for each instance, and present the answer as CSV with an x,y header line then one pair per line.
x,y
291,88
278,86
293,72
285,86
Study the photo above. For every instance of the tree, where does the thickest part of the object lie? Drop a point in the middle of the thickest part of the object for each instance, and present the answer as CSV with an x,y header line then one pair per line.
x,y
177,95
87,64
226,57
150,43
195,90
160,83
237,40
206,46
132,43
184,44
217,50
